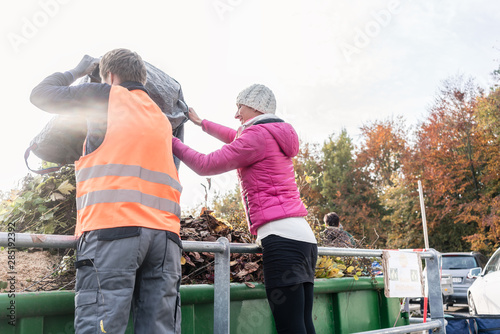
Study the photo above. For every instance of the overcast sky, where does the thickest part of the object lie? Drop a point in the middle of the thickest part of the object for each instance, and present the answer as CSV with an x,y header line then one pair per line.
x,y
332,64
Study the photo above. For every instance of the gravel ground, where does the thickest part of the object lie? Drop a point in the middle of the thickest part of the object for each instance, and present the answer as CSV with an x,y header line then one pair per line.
x,y
34,270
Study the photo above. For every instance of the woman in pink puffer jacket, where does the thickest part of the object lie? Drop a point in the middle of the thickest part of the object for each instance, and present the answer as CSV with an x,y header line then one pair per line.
x,y
262,150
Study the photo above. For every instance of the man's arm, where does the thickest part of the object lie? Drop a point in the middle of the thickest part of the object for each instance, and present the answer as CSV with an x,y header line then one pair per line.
x,y
55,95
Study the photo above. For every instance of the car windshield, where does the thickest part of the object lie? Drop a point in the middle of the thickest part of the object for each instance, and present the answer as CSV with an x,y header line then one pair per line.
x,y
459,262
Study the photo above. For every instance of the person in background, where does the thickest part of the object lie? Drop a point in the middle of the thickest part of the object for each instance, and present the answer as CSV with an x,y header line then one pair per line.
x,y
128,193
334,234
261,151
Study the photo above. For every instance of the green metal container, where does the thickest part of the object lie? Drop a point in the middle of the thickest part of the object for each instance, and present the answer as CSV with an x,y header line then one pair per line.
x,y
341,305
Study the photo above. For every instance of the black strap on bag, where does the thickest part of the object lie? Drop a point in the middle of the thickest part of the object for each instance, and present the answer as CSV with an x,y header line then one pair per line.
x,y
39,171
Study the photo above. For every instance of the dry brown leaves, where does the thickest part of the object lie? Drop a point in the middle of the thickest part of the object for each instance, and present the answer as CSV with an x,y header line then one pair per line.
x,y
198,268
39,271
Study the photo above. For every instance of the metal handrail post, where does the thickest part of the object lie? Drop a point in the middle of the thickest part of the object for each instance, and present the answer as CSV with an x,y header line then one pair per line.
x,y
222,250
434,288
405,329
20,240
222,288
336,251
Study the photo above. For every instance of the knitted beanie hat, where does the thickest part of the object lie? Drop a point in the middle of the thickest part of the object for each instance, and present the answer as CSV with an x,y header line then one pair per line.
x,y
258,97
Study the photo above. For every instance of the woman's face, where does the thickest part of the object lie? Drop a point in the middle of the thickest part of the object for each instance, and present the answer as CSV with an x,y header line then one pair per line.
x,y
244,113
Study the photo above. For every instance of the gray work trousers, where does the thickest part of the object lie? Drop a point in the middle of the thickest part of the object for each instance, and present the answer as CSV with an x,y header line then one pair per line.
x,y
123,268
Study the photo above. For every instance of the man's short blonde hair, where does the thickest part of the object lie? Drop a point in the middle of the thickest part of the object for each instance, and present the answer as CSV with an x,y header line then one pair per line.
x,y
128,65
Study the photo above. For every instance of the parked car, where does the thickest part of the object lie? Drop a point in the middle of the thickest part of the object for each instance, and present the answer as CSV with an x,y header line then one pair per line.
x,y
458,265
484,294
446,290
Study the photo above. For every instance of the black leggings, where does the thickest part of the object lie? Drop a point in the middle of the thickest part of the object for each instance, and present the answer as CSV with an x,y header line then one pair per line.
x,y
292,308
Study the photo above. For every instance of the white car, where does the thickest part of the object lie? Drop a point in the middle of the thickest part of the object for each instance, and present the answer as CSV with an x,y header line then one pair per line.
x,y
483,295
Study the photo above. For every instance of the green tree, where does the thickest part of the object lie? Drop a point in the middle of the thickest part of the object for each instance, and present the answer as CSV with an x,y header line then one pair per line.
x,y
307,165
402,218
346,190
488,111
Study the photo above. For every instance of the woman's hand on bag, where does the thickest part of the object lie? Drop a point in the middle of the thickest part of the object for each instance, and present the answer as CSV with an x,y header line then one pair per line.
x,y
193,116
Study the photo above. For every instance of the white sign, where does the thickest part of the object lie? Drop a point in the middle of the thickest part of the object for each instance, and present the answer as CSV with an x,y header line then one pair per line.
x,y
402,274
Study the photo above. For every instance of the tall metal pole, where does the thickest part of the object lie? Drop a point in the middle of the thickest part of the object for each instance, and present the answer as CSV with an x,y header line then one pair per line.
x,y
426,242
424,219
221,289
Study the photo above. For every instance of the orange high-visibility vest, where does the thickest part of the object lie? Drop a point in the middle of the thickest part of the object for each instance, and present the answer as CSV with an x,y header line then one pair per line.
x,y
130,179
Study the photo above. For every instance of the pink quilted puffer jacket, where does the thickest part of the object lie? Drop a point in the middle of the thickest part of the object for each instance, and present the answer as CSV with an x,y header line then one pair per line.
x,y
263,156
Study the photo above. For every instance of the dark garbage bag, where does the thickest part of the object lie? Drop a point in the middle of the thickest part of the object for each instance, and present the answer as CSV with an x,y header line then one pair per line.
x,y
61,140
460,325
488,324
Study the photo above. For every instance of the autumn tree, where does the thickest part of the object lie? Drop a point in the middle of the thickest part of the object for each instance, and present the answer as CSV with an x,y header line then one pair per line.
x,y
383,151
485,210
383,155
449,159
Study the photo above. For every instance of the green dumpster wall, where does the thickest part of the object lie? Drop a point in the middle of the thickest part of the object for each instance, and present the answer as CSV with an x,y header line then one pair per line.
x,y
340,306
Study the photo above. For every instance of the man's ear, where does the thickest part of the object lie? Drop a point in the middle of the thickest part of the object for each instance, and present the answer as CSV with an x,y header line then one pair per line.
x,y
114,79
104,78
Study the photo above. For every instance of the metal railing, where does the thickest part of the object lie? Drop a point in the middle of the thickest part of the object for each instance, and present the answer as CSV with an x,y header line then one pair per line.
x,y
222,250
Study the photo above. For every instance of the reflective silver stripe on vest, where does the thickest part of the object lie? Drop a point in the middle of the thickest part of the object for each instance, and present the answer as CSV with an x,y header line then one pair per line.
x,y
127,170
126,195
